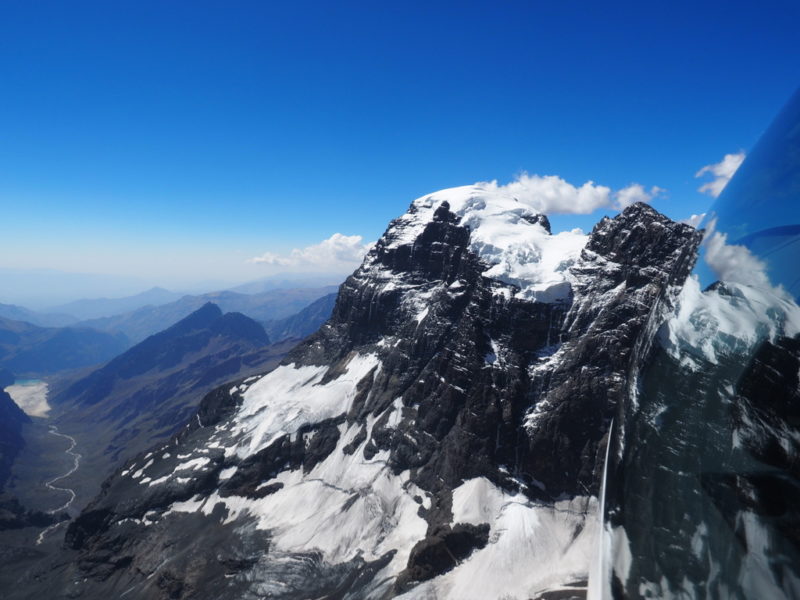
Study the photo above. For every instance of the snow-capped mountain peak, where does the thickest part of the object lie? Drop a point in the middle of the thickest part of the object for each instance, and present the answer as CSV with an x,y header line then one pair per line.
x,y
448,405
511,238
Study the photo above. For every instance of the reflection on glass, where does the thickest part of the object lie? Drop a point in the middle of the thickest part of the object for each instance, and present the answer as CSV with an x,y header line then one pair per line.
x,y
760,207
702,485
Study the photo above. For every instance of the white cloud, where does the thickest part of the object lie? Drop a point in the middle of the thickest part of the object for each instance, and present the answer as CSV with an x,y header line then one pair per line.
x,y
634,193
338,252
694,220
722,173
733,263
550,194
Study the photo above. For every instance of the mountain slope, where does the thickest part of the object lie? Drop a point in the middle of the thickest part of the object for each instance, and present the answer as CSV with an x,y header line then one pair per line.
x,y
12,418
439,436
303,323
29,350
146,393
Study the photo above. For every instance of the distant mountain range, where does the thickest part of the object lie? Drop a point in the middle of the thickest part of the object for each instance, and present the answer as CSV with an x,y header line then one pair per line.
x,y
20,313
96,308
265,306
36,343
288,281
140,315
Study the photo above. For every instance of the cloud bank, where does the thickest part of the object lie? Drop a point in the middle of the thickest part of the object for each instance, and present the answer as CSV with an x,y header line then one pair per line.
x,y
338,252
721,173
550,194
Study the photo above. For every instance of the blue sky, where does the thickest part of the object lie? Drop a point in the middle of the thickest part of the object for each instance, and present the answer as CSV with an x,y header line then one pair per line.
x,y
171,141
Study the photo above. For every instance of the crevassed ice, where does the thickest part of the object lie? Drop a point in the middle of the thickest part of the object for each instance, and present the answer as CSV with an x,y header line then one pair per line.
x,y
516,251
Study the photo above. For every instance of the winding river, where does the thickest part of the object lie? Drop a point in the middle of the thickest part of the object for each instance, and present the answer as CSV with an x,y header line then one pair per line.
x,y
76,461
76,458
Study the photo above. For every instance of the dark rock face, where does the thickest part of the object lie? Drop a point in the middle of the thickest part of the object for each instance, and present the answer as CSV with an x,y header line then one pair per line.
x,y
15,516
466,417
473,381
627,269
442,550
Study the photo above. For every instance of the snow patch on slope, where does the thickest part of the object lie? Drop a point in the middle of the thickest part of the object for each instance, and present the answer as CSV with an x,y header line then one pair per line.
x,y
535,546
503,232
289,397
346,507
477,501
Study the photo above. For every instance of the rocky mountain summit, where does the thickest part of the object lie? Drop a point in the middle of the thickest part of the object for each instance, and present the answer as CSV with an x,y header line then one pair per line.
x,y
442,435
